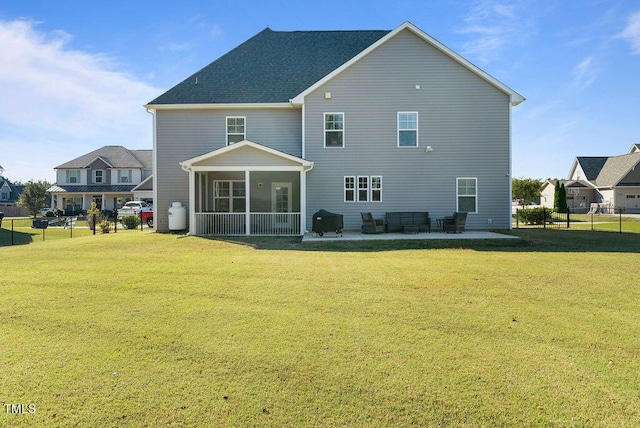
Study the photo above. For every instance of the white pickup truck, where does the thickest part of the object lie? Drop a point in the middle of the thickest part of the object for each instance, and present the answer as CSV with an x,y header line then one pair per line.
x,y
139,208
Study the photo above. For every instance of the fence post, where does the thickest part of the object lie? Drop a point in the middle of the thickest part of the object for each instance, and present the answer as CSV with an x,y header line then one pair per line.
x,y
544,217
94,224
517,222
12,232
620,220
568,220
592,221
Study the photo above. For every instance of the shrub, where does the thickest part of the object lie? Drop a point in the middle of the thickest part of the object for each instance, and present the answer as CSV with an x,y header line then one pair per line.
x,y
130,221
104,226
534,215
50,213
94,212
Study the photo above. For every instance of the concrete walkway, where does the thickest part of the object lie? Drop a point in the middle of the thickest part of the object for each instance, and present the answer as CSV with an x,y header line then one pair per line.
x,y
353,235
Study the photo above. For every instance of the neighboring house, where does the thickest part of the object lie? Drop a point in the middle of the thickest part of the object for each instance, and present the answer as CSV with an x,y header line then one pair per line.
x,y
289,123
600,183
9,195
108,176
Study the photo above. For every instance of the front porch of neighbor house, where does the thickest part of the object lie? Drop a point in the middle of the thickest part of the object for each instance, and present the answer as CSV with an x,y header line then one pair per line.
x,y
247,189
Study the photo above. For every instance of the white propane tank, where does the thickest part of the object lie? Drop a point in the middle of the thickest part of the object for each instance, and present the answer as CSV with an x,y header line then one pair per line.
x,y
177,216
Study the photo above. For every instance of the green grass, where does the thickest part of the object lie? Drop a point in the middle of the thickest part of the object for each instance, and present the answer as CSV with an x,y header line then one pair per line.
x,y
139,329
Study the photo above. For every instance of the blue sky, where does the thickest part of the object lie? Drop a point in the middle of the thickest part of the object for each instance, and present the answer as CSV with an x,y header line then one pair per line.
x,y
74,75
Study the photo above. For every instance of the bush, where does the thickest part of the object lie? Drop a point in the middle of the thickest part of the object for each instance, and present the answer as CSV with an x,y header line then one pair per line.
x,y
104,226
50,213
130,221
94,212
534,215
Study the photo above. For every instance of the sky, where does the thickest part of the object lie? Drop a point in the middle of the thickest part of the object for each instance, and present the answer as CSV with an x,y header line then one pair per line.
x,y
75,75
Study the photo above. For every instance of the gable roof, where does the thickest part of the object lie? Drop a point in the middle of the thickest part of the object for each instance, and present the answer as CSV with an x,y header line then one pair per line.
x,y
188,164
284,66
591,166
514,97
271,67
616,168
114,156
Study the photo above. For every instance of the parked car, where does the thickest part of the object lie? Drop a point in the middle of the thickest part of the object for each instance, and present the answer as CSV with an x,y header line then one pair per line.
x,y
44,211
139,208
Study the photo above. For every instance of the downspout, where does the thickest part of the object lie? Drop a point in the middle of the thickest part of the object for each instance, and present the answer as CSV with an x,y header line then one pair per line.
x,y
154,171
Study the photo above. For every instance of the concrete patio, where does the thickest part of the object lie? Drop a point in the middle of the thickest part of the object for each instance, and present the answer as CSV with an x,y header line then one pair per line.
x,y
355,235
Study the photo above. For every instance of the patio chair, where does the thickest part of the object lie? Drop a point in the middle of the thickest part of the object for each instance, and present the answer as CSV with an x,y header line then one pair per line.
x,y
371,225
454,223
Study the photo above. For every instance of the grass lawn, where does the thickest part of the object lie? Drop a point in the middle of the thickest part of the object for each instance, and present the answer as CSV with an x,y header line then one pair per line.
x,y
142,329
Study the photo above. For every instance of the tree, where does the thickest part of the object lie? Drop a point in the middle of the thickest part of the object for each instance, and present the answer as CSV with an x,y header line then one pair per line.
x,y
34,196
556,195
525,190
562,199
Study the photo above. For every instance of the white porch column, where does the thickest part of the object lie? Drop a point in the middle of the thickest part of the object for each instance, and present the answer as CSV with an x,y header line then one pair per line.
x,y
104,202
84,201
192,202
303,201
247,196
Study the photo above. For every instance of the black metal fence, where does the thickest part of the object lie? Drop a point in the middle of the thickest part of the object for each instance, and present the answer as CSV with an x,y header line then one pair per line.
x,y
541,218
615,219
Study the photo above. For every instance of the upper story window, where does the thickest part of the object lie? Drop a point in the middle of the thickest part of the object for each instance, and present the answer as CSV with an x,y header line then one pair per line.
x,y
408,129
334,129
124,176
73,176
236,130
467,194
98,176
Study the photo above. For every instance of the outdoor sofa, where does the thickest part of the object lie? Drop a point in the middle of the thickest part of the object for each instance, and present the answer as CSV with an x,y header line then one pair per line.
x,y
406,222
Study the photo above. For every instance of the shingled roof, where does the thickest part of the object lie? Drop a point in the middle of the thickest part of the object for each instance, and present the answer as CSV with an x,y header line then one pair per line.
x,y
592,165
616,168
271,67
115,156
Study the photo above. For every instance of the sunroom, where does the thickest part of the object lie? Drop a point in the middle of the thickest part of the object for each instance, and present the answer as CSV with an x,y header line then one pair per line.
x,y
247,189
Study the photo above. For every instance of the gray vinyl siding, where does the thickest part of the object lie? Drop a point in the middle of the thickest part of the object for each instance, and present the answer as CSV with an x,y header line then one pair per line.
x,y
184,134
465,119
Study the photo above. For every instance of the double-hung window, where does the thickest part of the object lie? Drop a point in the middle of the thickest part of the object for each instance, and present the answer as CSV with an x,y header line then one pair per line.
x,y
363,188
236,130
467,194
124,176
73,176
407,129
98,176
334,129
350,189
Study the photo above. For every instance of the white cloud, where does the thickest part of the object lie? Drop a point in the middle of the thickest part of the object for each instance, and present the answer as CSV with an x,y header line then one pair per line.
x,y
585,73
632,32
491,25
54,97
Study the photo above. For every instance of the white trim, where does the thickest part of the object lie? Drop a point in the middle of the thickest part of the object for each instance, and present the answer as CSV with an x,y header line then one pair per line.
x,y
358,188
515,97
188,164
371,188
344,189
458,195
325,130
98,158
398,129
244,125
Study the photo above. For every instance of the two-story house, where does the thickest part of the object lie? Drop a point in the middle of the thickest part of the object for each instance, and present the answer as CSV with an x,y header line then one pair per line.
x,y
108,176
9,195
600,184
289,123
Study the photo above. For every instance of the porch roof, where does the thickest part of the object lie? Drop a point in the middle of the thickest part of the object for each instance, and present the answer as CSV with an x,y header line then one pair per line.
x,y
246,155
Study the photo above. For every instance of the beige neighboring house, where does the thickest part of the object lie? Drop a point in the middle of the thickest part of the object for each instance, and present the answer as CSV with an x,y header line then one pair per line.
x,y
600,184
108,176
